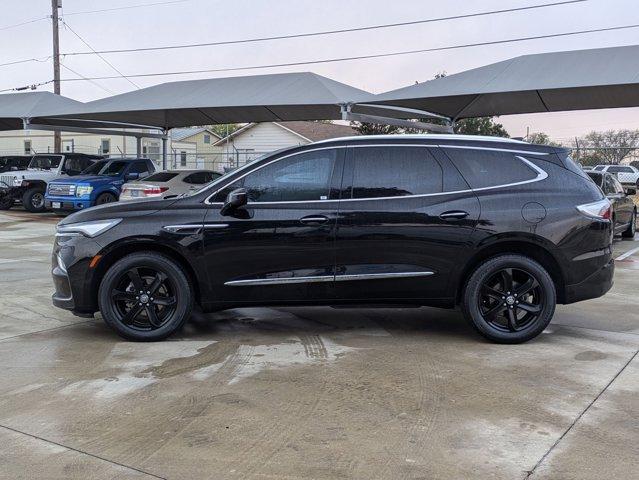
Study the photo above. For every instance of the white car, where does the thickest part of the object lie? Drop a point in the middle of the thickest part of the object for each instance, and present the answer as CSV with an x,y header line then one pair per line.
x,y
627,175
168,184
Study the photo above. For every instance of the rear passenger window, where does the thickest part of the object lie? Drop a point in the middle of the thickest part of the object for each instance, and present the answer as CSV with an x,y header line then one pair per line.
x,y
489,168
394,172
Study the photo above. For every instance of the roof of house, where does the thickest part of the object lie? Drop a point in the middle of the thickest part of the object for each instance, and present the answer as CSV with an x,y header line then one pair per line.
x,y
178,134
311,131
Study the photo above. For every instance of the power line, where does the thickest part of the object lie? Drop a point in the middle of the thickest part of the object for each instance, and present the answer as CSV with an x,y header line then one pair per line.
x,y
27,60
329,32
101,57
88,79
127,7
39,19
365,57
26,87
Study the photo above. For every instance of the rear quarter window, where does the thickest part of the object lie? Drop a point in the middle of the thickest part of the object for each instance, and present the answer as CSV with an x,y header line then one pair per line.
x,y
489,168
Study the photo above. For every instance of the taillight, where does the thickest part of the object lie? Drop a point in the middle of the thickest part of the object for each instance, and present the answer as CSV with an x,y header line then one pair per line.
x,y
154,190
601,209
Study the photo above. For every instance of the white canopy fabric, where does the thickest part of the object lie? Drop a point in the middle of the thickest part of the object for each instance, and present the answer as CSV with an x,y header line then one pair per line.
x,y
547,82
260,98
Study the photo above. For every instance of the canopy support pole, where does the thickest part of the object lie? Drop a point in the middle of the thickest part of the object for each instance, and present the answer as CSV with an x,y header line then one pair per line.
x,y
138,146
164,148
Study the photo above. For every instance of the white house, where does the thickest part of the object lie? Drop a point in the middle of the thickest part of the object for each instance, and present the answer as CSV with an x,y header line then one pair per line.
x,y
192,148
255,139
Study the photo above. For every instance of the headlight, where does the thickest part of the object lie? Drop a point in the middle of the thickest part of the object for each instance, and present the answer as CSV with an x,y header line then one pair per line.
x,y
17,182
83,190
88,229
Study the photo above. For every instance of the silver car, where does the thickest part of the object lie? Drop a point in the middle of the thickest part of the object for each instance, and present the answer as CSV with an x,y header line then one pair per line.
x,y
168,184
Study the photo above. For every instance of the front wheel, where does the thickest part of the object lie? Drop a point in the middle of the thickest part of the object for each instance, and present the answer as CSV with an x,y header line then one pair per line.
x,y
632,228
105,198
6,202
145,297
33,200
509,299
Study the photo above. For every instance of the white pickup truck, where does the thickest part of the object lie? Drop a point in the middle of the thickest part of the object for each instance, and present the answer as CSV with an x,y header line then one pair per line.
x,y
29,186
627,175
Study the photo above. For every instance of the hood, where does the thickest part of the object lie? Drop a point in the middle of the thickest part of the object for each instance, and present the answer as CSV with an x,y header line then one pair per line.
x,y
118,210
92,179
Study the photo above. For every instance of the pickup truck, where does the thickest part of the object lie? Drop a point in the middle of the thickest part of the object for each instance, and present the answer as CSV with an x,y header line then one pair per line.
x,y
29,185
627,175
99,184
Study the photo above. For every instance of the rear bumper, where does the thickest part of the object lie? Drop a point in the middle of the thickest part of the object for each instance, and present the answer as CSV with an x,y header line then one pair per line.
x,y
594,286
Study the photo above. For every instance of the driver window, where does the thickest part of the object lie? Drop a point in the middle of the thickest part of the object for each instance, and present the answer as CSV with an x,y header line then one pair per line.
x,y
73,166
301,177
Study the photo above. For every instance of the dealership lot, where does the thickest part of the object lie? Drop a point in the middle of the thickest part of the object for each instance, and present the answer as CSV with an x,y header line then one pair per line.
x,y
312,392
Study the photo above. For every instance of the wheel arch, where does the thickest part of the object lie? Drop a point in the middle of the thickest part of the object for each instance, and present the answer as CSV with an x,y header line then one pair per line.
x,y
527,247
127,247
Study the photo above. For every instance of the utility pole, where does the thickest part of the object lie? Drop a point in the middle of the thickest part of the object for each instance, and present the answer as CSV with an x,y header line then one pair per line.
x,y
55,5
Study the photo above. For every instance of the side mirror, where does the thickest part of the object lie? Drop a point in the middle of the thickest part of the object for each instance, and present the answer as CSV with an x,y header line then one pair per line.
x,y
234,200
631,191
131,176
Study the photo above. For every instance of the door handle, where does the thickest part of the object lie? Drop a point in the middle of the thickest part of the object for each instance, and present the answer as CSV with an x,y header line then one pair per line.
x,y
453,215
314,220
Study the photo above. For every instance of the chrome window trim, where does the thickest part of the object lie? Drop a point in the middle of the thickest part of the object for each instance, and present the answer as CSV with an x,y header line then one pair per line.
x,y
541,174
325,278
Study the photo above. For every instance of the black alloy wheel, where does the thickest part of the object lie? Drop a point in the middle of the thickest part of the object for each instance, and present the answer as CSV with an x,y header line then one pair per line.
x,y
145,296
632,228
105,198
509,299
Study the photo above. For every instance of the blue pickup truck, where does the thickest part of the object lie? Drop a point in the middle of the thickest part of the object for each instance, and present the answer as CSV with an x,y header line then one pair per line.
x,y
99,184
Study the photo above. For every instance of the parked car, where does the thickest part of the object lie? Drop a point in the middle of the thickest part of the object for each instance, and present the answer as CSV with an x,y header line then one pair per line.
x,y
587,168
624,211
96,186
12,163
626,174
29,186
499,227
168,184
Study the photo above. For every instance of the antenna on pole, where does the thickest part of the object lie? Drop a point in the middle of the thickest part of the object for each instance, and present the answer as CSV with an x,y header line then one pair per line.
x,y
55,5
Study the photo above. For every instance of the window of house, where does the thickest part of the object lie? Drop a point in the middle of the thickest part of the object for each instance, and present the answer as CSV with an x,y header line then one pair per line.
x,y
394,172
207,138
27,147
105,146
183,158
489,168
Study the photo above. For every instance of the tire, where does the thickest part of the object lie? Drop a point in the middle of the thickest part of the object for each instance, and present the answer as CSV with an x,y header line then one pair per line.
x,y
632,228
514,320
6,202
33,200
130,313
105,198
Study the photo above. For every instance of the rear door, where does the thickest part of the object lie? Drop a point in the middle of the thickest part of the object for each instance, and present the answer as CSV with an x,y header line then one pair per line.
x,y
404,222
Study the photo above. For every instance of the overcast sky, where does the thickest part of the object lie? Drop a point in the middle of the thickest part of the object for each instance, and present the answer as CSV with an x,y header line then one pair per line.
x,y
193,21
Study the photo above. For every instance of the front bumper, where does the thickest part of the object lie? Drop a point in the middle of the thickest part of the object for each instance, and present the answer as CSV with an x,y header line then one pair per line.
x,y
594,286
67,203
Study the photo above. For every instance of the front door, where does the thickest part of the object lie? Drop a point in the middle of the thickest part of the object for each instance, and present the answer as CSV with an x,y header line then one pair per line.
x,y
404,221
280,246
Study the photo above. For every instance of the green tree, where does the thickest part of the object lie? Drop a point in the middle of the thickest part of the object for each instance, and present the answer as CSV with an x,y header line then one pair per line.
x,y
481,126
223,129
541,138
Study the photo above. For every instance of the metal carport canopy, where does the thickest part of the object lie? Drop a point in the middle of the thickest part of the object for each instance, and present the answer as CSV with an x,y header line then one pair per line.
x,y
259,98
547,82
15,108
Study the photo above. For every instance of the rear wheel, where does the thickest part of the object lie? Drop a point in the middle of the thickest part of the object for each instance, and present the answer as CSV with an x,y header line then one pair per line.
x,y
509,299
145,297
105,198
33,200
632,228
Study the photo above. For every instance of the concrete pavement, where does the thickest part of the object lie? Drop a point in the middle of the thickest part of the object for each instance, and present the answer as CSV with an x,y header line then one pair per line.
x,y
312,392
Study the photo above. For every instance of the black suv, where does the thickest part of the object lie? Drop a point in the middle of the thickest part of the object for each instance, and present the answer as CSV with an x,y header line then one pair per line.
x,y
501,228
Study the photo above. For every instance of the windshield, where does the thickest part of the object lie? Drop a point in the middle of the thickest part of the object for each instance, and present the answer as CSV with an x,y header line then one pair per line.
x,y
113,168
95,168
45,162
